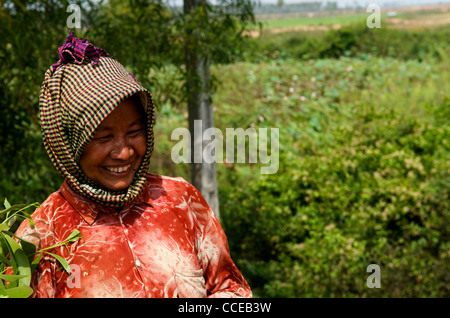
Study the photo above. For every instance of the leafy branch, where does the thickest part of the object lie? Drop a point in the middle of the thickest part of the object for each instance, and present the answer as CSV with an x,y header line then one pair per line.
x,y
21,258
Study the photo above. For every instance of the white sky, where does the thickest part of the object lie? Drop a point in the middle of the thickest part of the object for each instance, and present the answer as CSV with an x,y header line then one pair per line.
x,y
345,3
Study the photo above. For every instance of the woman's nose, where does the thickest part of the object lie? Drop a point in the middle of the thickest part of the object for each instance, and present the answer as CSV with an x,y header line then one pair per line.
x,y
122,150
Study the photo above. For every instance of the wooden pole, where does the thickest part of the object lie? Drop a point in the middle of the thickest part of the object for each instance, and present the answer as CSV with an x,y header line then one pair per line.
x,y
203,175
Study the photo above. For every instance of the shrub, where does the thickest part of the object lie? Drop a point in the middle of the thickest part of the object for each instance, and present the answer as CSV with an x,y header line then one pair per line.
x,y
361,181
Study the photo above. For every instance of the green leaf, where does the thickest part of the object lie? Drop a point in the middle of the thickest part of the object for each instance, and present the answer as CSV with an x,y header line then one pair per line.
x,y
17,292
35,263
21,259
4,227
6,204
11,278
63,262
5,249
19,213
75,236
5,260
12,220
29,249
12,207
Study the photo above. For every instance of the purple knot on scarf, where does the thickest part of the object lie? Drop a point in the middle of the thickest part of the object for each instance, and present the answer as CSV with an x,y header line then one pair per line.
x,y
76,50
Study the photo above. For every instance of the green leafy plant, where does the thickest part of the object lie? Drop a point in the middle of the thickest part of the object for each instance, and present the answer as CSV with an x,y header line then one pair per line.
x,y
21,256
363,177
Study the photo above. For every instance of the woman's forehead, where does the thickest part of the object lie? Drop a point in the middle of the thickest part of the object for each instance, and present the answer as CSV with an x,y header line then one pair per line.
x,y
126,113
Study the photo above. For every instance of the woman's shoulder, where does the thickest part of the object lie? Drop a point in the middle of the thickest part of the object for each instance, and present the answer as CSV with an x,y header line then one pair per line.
x,y
50,204
168,185
157,179
53,201
179,192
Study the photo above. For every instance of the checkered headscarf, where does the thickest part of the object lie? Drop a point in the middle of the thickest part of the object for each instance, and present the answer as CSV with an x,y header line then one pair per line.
x,y
78,92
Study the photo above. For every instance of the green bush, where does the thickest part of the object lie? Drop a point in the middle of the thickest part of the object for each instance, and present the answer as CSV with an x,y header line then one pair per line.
x,y
361,180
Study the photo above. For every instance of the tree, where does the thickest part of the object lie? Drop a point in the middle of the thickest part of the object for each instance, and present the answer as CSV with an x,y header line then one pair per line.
x,y
198,78
205,26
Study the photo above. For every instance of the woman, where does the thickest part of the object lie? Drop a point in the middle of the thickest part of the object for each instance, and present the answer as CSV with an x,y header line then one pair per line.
x,y
142,235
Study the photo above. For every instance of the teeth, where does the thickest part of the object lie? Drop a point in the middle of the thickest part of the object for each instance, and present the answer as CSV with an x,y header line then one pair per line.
x,y
118,169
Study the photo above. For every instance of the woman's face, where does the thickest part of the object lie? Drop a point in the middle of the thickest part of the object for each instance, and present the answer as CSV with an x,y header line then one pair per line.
x,y
115,153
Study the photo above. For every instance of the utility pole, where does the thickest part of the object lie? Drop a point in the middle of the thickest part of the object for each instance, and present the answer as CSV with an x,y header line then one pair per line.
x,y
203,175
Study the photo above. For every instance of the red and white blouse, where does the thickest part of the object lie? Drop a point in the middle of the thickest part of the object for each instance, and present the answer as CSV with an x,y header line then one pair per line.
x,y
166,243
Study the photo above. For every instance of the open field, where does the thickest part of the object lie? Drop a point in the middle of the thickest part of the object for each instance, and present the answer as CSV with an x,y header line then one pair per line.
x,y
404,17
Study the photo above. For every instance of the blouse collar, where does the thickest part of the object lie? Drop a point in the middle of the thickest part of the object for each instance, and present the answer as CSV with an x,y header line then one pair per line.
x,y
89,210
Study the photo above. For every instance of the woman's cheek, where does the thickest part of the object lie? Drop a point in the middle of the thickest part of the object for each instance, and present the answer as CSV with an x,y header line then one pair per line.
x,y
141,145
95,153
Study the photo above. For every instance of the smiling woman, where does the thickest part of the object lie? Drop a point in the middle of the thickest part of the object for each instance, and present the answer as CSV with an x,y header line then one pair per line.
x,y
143,235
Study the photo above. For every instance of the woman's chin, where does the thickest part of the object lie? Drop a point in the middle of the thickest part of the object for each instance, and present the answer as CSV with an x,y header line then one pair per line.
x,y
116,186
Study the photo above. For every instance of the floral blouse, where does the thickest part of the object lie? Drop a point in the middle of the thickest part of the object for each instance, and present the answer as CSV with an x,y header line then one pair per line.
x,y
167,243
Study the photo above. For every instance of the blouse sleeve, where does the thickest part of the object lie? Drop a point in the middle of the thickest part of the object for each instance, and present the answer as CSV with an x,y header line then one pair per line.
x,y
222,277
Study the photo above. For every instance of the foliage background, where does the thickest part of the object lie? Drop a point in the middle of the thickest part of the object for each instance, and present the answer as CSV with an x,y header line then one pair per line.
x,y
364,152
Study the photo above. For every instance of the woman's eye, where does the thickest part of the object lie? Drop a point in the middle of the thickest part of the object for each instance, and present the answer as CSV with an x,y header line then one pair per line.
x,y
135,131
104,138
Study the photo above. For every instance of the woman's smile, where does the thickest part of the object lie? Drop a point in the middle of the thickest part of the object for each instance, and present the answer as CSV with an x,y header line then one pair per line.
x,y
121,170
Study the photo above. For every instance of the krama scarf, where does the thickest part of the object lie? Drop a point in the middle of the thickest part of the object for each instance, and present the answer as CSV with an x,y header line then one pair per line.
x,y
77,94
